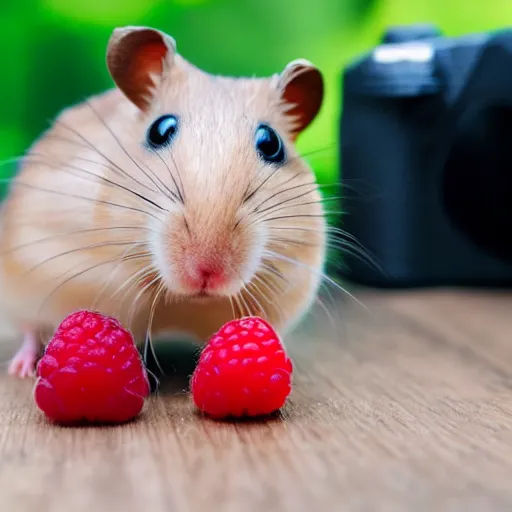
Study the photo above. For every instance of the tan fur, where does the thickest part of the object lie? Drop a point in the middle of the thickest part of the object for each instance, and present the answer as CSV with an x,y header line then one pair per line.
x,y
214,161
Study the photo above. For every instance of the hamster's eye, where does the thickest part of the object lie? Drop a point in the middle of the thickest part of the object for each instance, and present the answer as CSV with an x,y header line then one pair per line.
x,y
269,145
162,131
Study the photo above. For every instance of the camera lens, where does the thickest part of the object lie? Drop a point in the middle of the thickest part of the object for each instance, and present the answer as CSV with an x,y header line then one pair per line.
x,y
477,186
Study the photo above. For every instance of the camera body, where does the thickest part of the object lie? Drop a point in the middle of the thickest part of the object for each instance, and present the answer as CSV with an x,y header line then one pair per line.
x,y
426,159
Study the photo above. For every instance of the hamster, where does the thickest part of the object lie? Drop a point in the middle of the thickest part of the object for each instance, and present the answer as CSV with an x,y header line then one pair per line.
x,y
174,201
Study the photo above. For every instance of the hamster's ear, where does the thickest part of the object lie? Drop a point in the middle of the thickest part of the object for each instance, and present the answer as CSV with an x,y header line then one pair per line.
x,y
136,58
302,89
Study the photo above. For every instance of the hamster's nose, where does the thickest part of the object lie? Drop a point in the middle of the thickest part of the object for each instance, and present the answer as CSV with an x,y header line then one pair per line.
x,y
211,277
205,276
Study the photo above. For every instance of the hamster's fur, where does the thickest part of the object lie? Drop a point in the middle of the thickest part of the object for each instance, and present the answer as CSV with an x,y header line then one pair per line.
x,y
181,236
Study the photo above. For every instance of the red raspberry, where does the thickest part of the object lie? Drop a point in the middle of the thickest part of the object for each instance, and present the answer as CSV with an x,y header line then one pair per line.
x,y
242,371
92,371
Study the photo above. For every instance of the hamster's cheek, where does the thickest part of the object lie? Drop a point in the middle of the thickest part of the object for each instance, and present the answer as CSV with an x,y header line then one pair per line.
x,y
251,249
158,245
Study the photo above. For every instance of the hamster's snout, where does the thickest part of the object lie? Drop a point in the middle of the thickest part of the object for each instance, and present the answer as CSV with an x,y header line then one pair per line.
x,y
207,256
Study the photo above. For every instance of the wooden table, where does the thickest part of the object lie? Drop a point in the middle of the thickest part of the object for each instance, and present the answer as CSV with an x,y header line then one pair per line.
x,y
404,404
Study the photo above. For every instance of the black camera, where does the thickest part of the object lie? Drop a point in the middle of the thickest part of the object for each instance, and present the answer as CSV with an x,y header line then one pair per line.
x,y
426,159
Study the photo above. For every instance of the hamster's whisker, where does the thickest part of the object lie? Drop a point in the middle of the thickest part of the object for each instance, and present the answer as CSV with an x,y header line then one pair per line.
x,y
344,236
288,189
129,287
124,256
125,151
177,197
352,245
241,307
148,342
181,192
270,300
136,278
263,218
139,296
273,288
269,267
170,195
74,276
355,251
328,291
261,275
274,208
167,296
291,241
314,152
64,167
91,146
47,213
344,246
79,249
335,240
277,207
250,194
131,284
145,270
78,143
179,174
298,216
244,310
13,160
239,311
301,216
340,185
75,232
119,171
89,199
350,185
256,301
326,311
232,307
318,273
329,229
243,299
252,305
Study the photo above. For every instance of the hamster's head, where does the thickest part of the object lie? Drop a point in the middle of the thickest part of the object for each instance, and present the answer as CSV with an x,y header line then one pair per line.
x,y
237,200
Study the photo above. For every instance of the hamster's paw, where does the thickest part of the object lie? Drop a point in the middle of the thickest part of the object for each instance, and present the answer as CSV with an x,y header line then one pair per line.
x,y
23,364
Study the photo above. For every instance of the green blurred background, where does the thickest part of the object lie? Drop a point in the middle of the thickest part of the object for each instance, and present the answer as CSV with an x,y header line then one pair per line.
x,y
52,51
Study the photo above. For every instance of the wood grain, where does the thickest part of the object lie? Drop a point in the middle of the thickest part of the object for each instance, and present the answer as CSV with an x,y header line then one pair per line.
x,y
404,405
